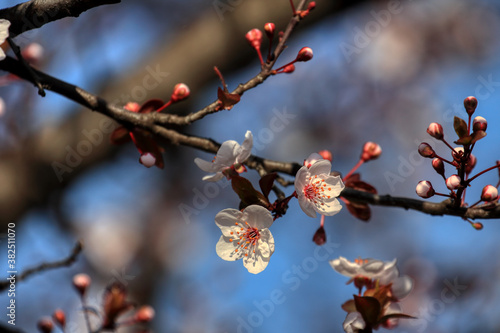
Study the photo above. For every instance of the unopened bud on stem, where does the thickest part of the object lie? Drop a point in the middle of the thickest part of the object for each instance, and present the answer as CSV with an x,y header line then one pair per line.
x,y
453,182
425,150
305,54
479,124
435,130
81,282
438,165
489,193
424,189
470,104
371,151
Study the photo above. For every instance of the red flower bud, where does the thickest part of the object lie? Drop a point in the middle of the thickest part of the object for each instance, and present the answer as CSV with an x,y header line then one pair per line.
x,y
81,283
453,182
254,37
435,130
425,150
269,29
457,153
311,5
371,151
326,154
305,54
477,225
59,317
320,236
290,68
424,189
479,124
438,165
45,325
32,53
490,193
181,91
470,104
132,106
144,314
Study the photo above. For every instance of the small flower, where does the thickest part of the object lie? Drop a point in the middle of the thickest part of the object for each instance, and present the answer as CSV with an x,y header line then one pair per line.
x,y
489,193
453,182
254,38
371,151
435,130
4,33
181,91
147,159
269,29
32,53
425,189
245,235
371,270
353,322
144,314
317,190
229,154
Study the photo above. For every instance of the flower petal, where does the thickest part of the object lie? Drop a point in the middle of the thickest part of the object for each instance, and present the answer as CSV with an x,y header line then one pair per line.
x,y
205,165
258,217
226,250
353,322
402,286
226,156
246,148
226,220
335,186
301,180
255,264
307,206
345,267
266,244
322,167
213,178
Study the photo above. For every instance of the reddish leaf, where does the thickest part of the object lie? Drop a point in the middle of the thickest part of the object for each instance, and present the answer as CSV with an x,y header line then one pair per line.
x,y
478,135
145,144
464,141
227,99
151,105
114,304
369,307
362,186
247,193
119,136
266,183
359,210
460,127
320,236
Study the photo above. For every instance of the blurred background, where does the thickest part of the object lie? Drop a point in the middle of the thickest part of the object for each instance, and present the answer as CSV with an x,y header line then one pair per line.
x,y
382,71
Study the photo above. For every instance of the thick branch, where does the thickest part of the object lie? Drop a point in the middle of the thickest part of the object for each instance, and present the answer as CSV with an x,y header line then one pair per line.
x,y
46,266
35,13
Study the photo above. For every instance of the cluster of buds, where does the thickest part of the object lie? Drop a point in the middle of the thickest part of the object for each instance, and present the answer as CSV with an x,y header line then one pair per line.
x,y
303,13
151,153
114,305
376,306
462,160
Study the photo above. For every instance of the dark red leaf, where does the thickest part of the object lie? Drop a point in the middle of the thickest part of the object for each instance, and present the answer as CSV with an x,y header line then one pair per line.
x,y
360,210
145,144
151,105
266,183
119,136
247,193
369,307
320,236
227,99
460,127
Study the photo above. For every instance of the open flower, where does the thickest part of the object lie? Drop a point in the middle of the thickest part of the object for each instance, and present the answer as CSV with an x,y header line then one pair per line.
x,y
371,270
4,33
353,322
317,190
245,235
229,154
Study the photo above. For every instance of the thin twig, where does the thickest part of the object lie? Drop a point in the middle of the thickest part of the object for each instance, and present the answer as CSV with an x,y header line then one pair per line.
x,y
46,266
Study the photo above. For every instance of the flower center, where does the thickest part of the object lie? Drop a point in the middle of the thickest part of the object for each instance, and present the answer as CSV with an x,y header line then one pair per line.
x,y
315,190
248,237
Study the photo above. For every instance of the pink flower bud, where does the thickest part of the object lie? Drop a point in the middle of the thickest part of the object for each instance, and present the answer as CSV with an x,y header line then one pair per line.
x,y
490,193
479,124
148,160
59,317
181,91
254,37
305,54
438,165
81,283
326,154
320,236
425,189
144,314
470,104
45,325
425,150
471,163
435,130
311,5
132,106
269,29
371,151
453,182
